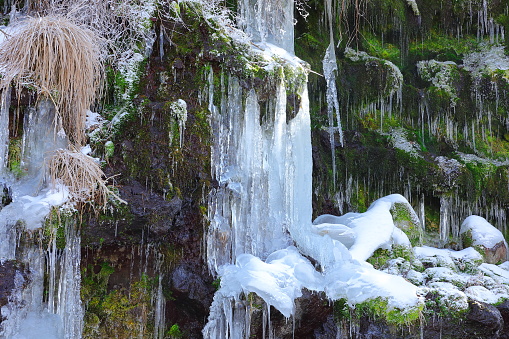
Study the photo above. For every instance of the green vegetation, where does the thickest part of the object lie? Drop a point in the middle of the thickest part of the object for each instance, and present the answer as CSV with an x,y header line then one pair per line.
x,y
378,308
381,256
174,332
115,312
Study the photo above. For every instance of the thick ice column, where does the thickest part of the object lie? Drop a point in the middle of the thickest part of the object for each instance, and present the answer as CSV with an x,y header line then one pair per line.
x,y
251,210
269,21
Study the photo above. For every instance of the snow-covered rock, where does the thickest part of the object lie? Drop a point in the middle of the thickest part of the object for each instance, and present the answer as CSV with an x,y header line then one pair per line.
x,y
476,231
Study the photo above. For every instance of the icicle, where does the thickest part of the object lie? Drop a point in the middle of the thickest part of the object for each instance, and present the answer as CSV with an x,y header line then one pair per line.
x,y
330,68
268,21
69,306
4,128
159,317
179,110
40,137
444,219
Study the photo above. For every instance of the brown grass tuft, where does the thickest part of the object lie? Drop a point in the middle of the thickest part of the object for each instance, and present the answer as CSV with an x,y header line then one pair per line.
x,y
82,175
61,61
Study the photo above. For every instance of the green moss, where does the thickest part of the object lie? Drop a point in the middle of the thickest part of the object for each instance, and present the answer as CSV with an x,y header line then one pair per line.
x,y
381,256
174,332
467,239
114,312
437,304
378,308
216,283
14,158
403,219
255,302
341,310
54,228
442,47
375,46
109,149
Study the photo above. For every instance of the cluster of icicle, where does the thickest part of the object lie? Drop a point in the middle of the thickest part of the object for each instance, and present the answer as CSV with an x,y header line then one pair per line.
x,y
263,206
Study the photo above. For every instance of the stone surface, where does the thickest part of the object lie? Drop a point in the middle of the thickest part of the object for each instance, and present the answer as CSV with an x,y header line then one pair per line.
x,y
13,275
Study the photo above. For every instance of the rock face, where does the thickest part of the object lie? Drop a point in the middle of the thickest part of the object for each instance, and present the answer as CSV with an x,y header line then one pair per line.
x,y
13,278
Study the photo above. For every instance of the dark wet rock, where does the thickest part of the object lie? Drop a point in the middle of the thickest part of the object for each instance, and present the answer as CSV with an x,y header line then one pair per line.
x,y
504,311
485,319
482,321
329,329
185,281
495,254
6,194
312,312
13,275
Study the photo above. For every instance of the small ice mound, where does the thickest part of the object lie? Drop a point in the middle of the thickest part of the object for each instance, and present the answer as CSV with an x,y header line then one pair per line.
x,y
278,281
466,260
481,293
361,282
497,273
40,325
34,209
476,231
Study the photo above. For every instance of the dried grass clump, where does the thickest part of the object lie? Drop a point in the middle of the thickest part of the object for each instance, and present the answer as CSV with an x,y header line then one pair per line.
x,y
61,61
82,175
116,21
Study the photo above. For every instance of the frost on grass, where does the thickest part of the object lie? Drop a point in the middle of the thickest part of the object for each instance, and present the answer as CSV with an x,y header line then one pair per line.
x,y
399,140
61,61
82,176
179,110
487,61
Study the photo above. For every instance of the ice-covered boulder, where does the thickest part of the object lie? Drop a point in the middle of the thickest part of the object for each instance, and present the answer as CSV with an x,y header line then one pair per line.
x,y
476,231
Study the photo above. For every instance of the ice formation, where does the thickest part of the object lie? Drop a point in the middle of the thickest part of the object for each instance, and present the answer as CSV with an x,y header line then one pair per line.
x,y
261,232
27,315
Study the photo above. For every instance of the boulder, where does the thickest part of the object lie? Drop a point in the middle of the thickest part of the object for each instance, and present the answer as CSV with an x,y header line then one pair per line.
x,y
488,240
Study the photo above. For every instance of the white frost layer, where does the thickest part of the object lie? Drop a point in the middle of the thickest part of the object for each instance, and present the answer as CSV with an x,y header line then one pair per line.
x,y
483,233
279,280
360,282
497,273
481,293
492,58
446,255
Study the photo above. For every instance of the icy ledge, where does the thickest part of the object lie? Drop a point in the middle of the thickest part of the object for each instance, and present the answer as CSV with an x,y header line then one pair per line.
x,y
346,275
400,283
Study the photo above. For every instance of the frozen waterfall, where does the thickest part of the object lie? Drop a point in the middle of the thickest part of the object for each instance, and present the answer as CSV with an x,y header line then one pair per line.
x,y
30,313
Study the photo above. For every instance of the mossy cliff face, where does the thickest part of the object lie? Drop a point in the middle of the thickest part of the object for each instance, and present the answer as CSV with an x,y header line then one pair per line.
x,y
439,133
418,118
161,158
